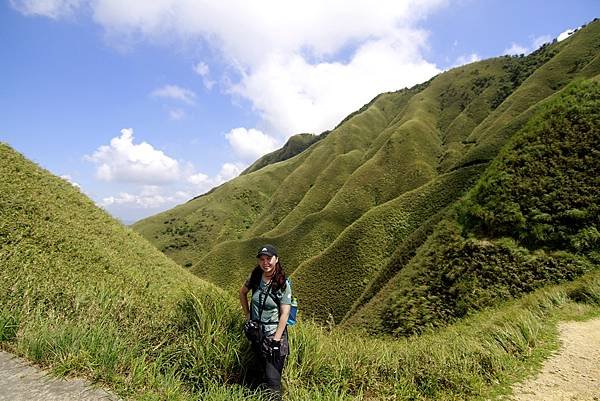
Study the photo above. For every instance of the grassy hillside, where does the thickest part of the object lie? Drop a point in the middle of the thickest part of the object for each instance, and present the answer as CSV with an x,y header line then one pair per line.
x,y
356,206
84,295
369,242
532,219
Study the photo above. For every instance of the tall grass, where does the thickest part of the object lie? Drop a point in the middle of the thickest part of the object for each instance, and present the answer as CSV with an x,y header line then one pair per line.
x,y
203,354
470,359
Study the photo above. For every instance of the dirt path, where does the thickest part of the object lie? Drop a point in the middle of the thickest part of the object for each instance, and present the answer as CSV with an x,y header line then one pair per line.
x,y
20,381
573,373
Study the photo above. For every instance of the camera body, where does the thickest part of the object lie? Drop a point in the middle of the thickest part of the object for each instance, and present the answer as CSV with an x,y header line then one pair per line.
x,y
252,331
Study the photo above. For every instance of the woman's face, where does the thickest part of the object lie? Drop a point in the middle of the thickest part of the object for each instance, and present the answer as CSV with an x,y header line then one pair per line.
x,y
267,263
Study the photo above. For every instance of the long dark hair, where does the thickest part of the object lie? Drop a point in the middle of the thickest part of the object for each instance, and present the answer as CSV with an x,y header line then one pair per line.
x,y
278,281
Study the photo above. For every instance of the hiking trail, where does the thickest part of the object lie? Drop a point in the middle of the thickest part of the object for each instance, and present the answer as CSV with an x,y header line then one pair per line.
x,y
573,372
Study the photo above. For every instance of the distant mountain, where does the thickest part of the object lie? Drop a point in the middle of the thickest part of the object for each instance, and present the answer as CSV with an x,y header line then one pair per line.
x,y
369,216
296,144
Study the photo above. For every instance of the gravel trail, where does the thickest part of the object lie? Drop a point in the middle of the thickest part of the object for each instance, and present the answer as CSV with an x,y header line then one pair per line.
x,y
573,372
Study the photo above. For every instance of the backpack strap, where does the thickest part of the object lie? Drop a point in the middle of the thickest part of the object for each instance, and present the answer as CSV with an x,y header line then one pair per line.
x,y
274,297
255,278
262,305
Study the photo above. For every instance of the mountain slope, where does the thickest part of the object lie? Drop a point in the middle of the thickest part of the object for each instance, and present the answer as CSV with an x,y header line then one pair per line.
x,y
532,219
50,231
351,203
82,293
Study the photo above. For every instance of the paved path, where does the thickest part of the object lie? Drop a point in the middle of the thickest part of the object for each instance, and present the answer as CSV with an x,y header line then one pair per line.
x,y
20,381
573,373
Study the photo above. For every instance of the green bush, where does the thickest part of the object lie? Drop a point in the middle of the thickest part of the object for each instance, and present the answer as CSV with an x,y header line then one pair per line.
x,y
543,191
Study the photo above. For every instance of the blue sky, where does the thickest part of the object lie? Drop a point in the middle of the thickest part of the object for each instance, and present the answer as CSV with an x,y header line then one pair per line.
x,y
145,105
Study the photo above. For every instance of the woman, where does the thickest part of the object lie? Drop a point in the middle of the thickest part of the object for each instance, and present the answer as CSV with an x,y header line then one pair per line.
x,y
269,309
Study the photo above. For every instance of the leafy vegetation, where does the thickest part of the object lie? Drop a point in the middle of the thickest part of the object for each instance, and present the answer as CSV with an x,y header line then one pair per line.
x,y
492,246
544,191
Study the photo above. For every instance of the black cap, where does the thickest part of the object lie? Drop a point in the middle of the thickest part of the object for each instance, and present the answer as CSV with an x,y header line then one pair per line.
x,y
268,250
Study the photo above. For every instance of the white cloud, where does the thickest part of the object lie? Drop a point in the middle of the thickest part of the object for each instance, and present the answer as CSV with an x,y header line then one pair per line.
x,y
150,199
230,171
246,30
155,181
540,40
175,92
47,8
516,49
176,114
565,34
293,95
145,200
199,179
471,58
202,182
250,144
69,179
124,161
286,54
203,70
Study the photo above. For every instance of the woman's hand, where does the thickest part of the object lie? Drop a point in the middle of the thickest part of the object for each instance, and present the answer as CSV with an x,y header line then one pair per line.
x,y
276,347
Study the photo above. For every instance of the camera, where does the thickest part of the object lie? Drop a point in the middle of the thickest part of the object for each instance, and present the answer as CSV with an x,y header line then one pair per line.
x,y
252,331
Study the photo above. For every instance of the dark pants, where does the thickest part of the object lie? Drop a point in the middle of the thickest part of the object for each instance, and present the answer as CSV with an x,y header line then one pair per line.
x,y
271,369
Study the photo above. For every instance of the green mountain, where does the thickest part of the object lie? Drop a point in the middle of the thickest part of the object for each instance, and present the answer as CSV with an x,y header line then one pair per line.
x,y
366,217
531,220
